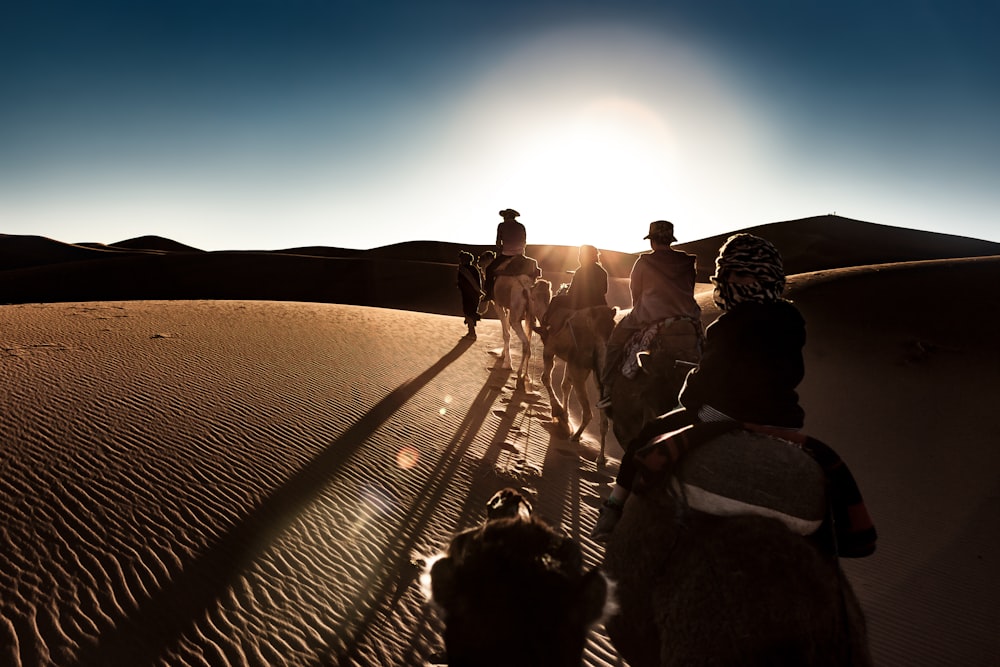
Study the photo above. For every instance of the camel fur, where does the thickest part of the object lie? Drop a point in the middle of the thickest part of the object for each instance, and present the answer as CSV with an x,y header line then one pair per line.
x,y
580,343
514,591
695,589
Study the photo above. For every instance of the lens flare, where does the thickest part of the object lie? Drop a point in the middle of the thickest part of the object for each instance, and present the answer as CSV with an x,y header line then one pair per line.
x,y
406,458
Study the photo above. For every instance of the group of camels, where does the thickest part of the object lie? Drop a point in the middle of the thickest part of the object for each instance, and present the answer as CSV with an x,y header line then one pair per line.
x,y
677,586
580,343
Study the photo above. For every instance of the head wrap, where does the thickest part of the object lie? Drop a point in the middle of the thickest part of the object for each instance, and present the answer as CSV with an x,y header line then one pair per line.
x,y
753,257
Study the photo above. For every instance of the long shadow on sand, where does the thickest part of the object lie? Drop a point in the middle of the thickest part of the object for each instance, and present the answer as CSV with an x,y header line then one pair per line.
x,y
159,621
384,588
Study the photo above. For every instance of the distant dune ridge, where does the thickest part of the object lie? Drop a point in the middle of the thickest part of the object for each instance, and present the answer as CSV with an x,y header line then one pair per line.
x,y
36,269
240,457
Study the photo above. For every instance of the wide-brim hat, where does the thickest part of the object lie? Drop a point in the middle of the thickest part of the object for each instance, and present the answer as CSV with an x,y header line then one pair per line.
x,y
661,230
509,213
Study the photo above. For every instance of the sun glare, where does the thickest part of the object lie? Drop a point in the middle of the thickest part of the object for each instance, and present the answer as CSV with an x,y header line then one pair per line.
x,y
612,160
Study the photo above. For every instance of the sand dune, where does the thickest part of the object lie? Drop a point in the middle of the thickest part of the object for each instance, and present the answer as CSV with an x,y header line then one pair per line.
x,y
214,483
417,275
230,482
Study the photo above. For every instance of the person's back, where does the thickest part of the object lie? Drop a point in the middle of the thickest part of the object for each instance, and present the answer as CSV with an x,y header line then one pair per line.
x,y
662,285
589,287
751,361
511,234
751,365
511,242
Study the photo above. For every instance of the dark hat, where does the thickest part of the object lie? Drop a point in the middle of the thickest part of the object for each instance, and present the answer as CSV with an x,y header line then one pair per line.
x,y
509,213
661,230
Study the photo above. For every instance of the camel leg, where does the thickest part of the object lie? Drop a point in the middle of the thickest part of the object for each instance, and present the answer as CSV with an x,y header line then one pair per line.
x,y
567,385
559,412
505,328
602,458
580,376
522,370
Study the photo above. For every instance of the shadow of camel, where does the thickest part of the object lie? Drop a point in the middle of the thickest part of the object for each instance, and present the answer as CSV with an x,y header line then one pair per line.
x,y
398,558
160,620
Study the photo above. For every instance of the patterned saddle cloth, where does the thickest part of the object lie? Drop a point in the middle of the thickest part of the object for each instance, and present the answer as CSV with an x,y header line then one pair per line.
x,y
678,337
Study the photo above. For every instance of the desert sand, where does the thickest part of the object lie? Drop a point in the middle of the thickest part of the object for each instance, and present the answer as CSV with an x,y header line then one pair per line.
x,y
253,482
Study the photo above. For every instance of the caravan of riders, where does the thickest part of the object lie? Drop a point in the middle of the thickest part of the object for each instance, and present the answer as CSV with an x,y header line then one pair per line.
x,y
735,513
749,359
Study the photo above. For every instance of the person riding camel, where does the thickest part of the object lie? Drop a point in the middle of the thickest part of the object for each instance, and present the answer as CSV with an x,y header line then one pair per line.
x,y
662,285
750,368
589,288
511,241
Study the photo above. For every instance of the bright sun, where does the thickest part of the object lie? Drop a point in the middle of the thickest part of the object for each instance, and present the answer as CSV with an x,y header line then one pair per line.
x,y
611,162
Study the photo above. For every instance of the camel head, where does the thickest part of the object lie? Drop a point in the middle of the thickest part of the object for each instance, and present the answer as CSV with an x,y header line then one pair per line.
x,y
540,296
513,591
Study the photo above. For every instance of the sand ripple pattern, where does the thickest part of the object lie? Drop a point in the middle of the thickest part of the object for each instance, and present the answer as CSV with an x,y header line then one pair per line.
x,y
239,483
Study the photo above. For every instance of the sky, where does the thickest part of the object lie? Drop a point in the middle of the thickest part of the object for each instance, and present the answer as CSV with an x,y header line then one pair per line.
x,y
273,124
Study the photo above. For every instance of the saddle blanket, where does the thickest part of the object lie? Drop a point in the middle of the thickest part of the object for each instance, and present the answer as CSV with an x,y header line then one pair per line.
x,y
684,343
749,473
517,265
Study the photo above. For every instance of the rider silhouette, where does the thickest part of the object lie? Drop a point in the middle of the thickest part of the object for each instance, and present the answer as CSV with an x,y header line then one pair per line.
x,y
588,288
662,285
750,366
511,240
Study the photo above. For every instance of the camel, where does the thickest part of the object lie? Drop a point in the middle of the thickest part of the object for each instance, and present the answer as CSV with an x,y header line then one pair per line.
x,y
580,343
513,591
517,310
700,583
673,352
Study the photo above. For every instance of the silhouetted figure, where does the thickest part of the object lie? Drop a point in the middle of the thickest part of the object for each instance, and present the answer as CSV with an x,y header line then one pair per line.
x,y
470,286
662,285
511,240
751,362
588,288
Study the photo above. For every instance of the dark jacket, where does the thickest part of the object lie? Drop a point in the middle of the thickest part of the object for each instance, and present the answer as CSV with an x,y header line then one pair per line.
x,y
589,287
511,238
751,365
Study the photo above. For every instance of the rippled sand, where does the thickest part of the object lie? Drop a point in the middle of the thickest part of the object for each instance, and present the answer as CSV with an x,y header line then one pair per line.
x,y
248,483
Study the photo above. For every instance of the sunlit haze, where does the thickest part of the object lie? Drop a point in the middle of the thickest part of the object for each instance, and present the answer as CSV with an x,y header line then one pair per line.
x,y
272,125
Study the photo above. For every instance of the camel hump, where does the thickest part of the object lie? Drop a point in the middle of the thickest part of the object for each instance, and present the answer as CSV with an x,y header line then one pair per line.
x,y
741,473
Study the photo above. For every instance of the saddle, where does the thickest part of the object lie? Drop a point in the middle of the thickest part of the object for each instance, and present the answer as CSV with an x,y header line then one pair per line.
x,y
733,469
677,337
517,265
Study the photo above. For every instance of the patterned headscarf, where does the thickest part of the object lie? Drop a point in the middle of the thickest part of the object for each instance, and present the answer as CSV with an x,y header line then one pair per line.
x,y
752,256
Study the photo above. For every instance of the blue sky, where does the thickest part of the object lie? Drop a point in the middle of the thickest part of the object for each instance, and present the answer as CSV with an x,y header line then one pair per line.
x,y
267,124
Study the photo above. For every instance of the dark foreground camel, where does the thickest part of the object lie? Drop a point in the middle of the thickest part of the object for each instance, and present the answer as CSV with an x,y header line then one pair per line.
x,y
580,343
513,591
696,588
